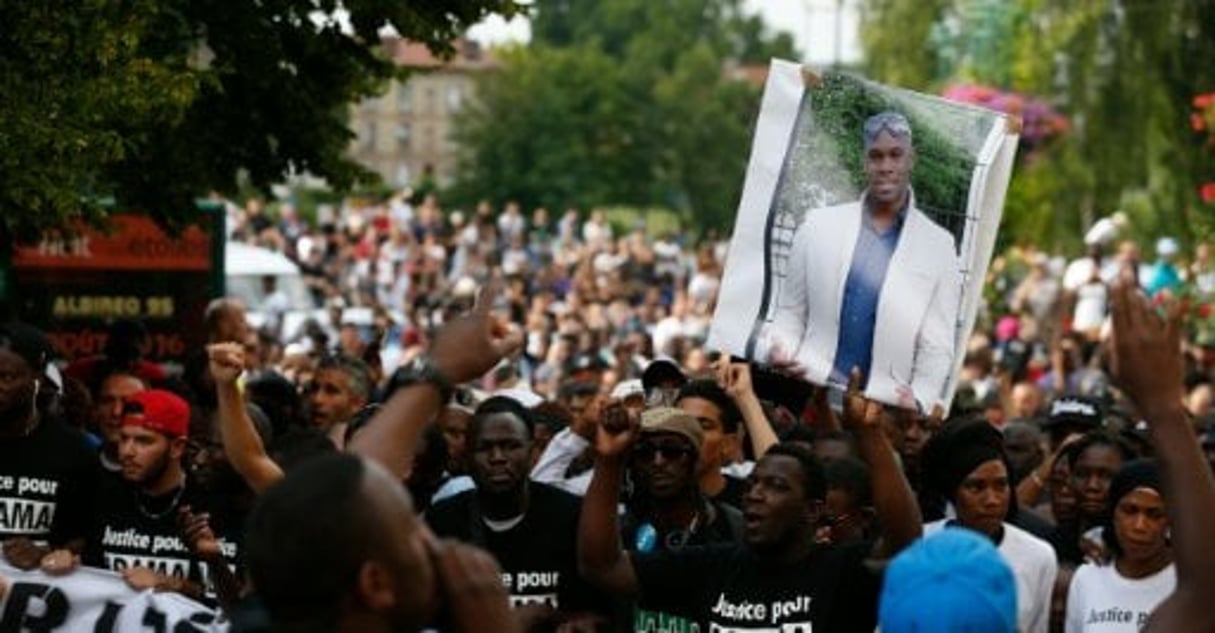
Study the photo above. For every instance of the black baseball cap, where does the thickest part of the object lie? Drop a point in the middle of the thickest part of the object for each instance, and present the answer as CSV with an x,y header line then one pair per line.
x,y
660,370
1076,411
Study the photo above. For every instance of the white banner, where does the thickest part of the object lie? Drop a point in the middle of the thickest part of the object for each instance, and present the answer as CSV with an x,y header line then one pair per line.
x,y
92,600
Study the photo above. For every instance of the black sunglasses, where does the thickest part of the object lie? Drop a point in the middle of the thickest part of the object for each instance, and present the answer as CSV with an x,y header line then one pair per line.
x,y
669,452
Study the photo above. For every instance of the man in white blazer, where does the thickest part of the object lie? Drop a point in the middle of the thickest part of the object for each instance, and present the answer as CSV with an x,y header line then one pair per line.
x,y
873,285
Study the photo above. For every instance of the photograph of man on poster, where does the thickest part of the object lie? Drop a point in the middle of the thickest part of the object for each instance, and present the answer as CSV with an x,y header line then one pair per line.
x,y
873,285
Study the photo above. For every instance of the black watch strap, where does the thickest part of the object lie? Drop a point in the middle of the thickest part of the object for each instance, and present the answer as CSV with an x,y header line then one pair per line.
x,y
423,369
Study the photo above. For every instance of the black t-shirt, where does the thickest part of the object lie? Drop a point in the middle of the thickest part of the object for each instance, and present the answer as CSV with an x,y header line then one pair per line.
x,y
730,588
46,484
726,527
131,529
538,556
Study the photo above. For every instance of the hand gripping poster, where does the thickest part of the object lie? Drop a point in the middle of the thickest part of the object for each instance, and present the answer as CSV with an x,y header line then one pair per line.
x,y
866,226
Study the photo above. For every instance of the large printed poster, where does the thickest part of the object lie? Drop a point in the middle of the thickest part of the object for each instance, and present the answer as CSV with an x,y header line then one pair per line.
x,y
863,236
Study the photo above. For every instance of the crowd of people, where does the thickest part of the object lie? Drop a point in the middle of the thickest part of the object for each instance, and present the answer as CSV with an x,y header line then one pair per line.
x,y
530,434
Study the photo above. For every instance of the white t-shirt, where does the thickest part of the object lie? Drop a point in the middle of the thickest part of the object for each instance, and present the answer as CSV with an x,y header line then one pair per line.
x,y
1033,565
1103,601
1092,302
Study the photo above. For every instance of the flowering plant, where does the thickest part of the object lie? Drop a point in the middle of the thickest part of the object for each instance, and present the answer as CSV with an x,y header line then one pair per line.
x,y
1202,120
1040,123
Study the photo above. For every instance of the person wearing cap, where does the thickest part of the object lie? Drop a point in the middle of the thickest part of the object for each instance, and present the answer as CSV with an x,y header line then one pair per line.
x,y
631,393
780,578
666,511
966,464
47,473
1069,419
661,381
1121,595
1164,276
953,580
893,314
1073,415
666,495
528,526
135,519
585,367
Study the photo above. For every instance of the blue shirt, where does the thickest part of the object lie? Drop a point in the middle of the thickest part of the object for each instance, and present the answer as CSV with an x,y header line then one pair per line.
x,y
858,310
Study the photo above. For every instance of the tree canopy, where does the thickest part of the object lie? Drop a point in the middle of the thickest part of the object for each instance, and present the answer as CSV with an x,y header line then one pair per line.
x,y
1125,74
152,103
626,102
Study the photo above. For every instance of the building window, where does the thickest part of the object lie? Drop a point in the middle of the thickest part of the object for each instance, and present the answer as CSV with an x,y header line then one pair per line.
x,y
455,98
431,105
403,136
404,97
369,139
428,139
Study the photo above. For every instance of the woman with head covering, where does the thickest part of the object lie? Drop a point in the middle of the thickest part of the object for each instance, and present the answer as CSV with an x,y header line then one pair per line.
x,y
1121,595
965,463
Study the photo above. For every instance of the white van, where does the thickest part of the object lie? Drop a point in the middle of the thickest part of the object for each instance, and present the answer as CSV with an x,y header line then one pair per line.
x,y
244,268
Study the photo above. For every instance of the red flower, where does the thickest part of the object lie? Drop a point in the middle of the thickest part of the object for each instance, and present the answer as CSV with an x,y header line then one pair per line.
x,y
1204,311
1207,192
1197,122
1204,101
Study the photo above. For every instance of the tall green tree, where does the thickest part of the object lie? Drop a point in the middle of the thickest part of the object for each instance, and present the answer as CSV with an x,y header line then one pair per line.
x,y
154,102
1124,72
621,102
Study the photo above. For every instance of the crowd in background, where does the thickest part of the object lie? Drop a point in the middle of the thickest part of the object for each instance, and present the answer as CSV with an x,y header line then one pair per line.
x,y
1045,452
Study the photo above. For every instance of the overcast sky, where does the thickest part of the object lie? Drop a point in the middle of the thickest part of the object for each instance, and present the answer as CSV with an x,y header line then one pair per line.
x,y
811,22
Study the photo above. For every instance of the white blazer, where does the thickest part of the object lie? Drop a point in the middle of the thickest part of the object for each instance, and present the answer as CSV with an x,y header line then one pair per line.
x,y
917,321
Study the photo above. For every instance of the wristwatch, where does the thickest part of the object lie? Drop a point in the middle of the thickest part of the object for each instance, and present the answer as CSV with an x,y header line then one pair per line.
x,y
423,370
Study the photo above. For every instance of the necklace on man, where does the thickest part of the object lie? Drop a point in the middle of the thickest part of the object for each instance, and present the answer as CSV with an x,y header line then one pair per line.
x,y
156,516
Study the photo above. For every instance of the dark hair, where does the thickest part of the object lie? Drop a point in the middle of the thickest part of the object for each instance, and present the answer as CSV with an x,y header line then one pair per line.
x,y
711,391
505,405
576,389
279,398
298,446
553,415
799,433
1100,438
851,476
814,479
307,537
357,371
217,311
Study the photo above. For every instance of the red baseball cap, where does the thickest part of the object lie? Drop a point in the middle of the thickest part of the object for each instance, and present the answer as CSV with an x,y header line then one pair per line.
x,y
157,410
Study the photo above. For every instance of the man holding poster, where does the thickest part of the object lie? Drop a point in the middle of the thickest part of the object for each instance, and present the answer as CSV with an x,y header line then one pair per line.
x,y
873,285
